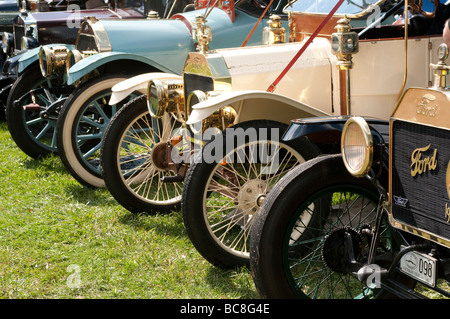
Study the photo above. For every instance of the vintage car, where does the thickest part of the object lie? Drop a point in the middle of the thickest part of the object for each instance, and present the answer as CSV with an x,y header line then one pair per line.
x,y
334,76
44,23
9,9
373,219
85,114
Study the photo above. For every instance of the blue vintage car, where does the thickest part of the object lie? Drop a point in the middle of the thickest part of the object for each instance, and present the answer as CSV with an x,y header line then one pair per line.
x,y
40,22
106,53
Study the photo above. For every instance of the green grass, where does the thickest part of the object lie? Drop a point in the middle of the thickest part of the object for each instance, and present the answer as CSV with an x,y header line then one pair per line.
x,y
59,239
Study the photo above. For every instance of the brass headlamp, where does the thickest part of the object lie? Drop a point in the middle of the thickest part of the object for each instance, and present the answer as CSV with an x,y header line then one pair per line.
x,y
74,56
221,119
52,60
7,42
165,95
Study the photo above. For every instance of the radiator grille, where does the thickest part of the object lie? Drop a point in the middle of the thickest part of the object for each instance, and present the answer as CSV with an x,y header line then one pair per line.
x,y
421,201
19,32
86,42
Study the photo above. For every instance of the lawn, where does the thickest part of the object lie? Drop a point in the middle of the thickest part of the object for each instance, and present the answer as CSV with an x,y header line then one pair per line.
x,y
59,239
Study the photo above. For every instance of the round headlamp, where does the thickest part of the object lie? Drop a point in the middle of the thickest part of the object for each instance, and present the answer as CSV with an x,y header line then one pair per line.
x,y
7,42
28,43
52,60
45,61
72,57
357,146
156,98
193,98
165,95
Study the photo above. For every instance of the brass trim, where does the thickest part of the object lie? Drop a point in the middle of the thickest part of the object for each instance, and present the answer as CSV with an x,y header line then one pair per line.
x,y
436,115
368,10
368,141
426,106
99,33
414,230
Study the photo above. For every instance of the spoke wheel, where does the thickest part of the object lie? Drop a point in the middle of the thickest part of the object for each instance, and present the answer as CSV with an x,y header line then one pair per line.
x,y
33,127
222,197
292,260
81,125
128,158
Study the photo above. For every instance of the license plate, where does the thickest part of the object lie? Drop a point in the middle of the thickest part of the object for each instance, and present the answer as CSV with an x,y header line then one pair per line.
x,y
419,266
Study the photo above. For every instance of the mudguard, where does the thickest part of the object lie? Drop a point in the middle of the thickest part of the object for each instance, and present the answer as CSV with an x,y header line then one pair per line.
x,y
328,129
137,83
252,104
32,55
92,62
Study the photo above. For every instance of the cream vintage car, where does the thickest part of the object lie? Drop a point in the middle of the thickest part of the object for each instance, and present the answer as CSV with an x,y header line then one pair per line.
x,y
354,65
391,190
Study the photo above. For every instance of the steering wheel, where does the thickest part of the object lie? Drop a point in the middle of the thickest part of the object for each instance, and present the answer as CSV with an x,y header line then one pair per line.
x,y
417,7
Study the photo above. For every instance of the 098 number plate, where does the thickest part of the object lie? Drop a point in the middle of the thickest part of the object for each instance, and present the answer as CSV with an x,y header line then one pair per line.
x,y
419,266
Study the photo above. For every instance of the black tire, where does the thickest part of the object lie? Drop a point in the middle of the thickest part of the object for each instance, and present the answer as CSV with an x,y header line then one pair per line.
x,y
220,182
80,127
33,134
126,166
286,265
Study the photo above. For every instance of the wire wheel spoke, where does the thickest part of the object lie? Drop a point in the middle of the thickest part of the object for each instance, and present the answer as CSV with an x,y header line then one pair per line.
x,y
305,259
139,173
238,186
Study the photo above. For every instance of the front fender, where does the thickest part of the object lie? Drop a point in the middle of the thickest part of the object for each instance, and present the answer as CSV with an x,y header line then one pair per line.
x,y
32,55
82,68
328,130
251,105
137,83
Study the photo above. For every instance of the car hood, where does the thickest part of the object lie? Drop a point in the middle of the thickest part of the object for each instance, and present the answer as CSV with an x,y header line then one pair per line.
x,y
9,5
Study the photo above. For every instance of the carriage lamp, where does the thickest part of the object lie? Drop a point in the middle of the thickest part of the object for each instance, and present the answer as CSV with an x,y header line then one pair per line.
x,y
274,33
344,43
201,33
52,60
440,70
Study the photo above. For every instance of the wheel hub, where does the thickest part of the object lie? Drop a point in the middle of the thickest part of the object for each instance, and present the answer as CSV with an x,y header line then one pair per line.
x,y
161,156
338,250
252,195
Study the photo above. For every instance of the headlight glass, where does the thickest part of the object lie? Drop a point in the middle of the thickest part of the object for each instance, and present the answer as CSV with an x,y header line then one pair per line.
x,y
195,97
45,60
357,146
7,42
165,95
156,98
28,43
72,57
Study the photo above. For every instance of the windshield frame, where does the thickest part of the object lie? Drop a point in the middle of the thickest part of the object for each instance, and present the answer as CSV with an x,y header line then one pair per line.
x,y
369,9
